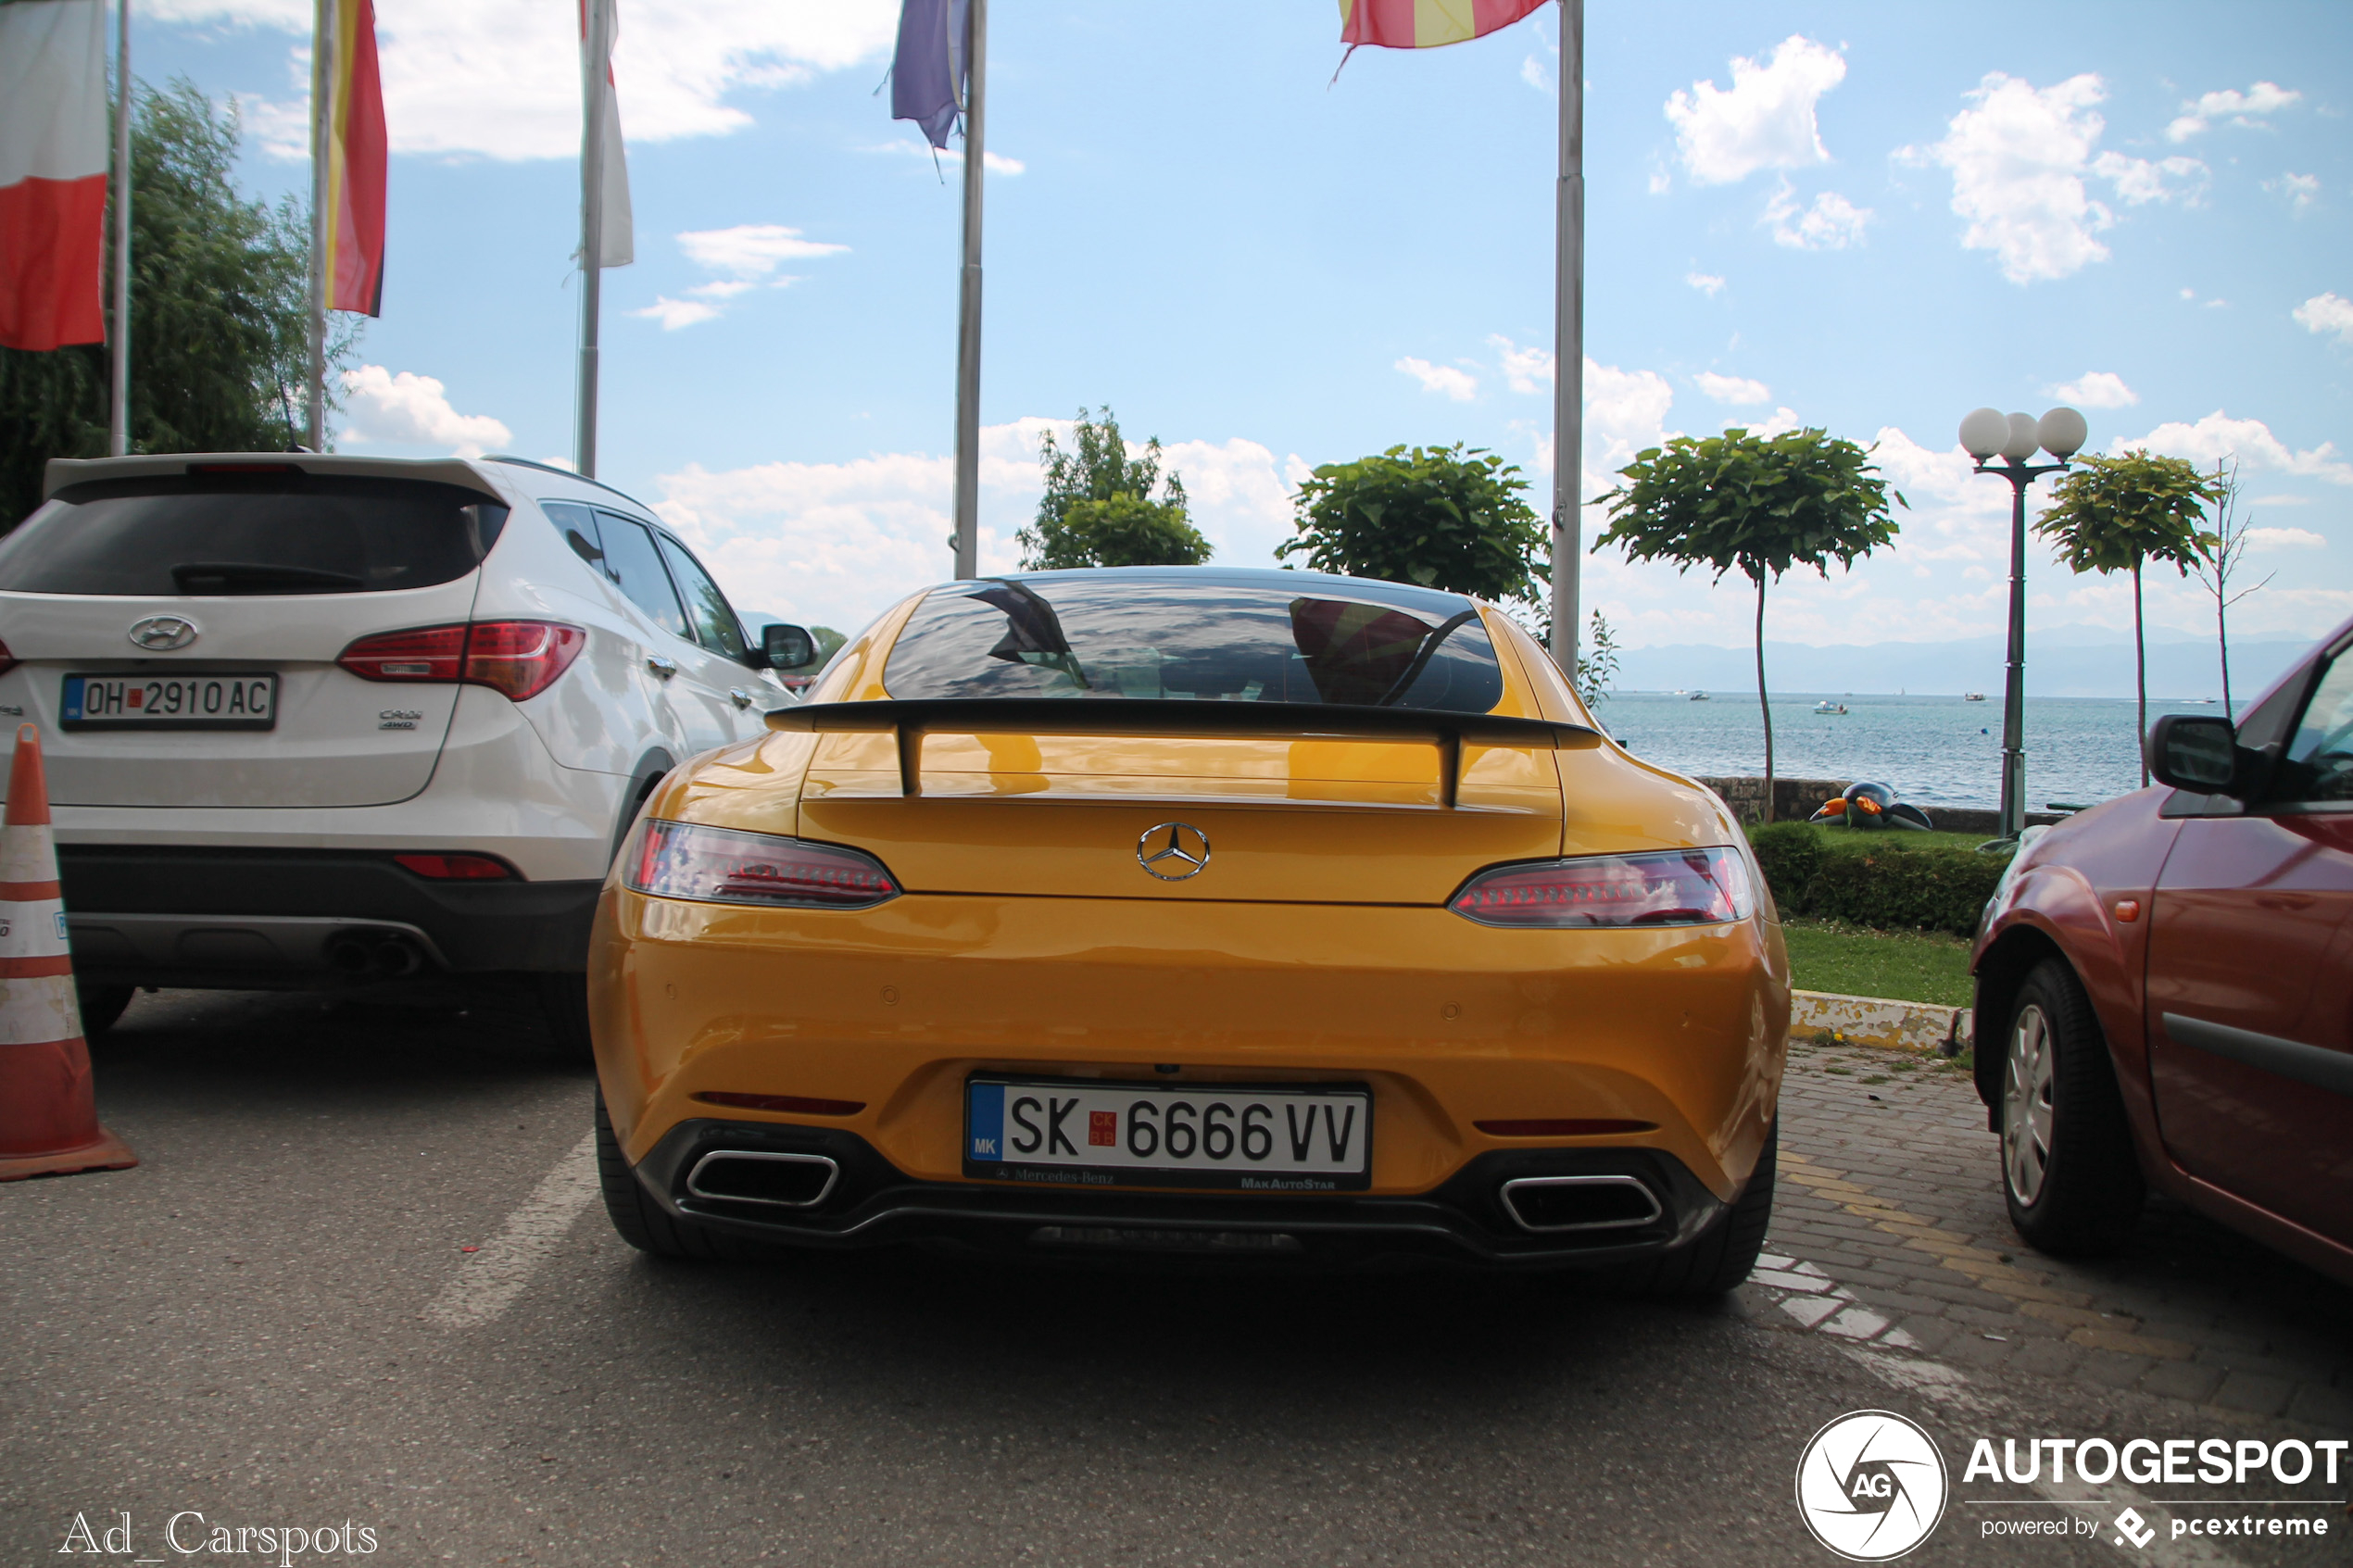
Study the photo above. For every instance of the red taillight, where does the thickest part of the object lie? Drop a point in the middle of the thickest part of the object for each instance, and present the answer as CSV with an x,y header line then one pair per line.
x,y
8,659
793,1105
725,866
1570,1127
521,658
1668,887
455,868
425,653
516,658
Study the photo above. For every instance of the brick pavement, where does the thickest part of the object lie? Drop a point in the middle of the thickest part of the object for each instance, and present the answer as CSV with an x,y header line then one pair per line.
x,y
1888,1228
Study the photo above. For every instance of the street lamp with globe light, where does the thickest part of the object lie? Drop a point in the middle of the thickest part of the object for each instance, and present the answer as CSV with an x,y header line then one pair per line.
x,y
1988,433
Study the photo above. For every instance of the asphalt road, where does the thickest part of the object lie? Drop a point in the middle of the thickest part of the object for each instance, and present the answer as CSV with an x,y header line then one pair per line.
x,y
274,1321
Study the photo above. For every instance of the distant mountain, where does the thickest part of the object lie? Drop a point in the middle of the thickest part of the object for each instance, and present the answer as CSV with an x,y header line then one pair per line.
x,y
2060,661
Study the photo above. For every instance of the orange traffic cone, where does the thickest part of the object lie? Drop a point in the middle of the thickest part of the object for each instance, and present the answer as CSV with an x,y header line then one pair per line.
x,y
48,1125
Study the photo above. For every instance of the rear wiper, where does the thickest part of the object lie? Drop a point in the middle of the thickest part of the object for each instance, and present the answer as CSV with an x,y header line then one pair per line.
x,y
253,577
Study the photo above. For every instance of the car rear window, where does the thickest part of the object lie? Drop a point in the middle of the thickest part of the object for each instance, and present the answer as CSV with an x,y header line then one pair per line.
x,y
249,533
1211,638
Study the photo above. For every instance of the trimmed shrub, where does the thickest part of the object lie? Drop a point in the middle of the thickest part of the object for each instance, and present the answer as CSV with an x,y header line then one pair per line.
x,y
1886,880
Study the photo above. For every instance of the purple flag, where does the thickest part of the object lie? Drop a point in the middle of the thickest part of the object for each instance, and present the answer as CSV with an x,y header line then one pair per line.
x,y
928,76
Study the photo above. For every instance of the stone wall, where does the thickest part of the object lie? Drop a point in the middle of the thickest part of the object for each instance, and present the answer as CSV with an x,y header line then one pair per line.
x,y
1796,799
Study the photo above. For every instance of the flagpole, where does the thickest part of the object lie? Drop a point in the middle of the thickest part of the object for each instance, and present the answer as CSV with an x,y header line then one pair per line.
x,y
1568,339
322,112
119,411
592,228
968,307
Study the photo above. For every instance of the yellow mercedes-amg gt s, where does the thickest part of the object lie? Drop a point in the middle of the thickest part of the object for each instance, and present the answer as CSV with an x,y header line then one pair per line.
x,y
1248,914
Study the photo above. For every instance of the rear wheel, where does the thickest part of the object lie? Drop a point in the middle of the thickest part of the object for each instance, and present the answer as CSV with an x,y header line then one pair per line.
x,y
642,1223
101,1006
2069,1175
1722,1257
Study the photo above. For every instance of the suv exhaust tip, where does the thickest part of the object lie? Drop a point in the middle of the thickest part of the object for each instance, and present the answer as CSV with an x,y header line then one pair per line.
x,y
783,1181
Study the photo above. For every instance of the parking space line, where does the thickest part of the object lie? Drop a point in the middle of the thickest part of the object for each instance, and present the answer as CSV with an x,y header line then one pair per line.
x,y
488,1282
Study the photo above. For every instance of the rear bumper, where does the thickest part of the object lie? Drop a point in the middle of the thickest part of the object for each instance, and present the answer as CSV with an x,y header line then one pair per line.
x,y
872,1203
263,919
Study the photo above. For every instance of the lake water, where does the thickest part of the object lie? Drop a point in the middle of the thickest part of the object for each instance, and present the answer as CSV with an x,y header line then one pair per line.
x,y
1941,750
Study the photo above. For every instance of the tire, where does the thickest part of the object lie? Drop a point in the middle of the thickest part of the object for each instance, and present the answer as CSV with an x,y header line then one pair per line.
x,y
2070,1178
563,1002
642,1223
101,1006
1722,1257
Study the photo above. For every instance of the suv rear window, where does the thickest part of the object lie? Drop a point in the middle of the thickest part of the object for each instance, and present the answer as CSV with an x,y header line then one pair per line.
x,y
1198,636
249,533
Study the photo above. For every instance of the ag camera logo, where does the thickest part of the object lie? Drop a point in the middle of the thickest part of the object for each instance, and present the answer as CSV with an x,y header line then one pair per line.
x,y
1871,1486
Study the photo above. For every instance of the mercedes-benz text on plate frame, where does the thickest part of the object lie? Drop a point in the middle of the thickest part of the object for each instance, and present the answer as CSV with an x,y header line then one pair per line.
x,y
1088,1132
1173,851
162,634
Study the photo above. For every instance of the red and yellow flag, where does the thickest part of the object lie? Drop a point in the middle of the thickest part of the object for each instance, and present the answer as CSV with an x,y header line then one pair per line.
x,y
356,167
1422,24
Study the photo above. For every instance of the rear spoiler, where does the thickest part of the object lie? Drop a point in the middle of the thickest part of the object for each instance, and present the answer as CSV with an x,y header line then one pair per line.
x,y
62,471
1129,716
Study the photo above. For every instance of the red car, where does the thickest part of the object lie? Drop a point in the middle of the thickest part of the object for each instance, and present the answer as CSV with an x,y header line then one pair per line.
x,y
2165,987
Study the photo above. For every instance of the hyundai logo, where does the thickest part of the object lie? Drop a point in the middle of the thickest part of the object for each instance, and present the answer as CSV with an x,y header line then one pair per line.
x,y
1173,851
162,634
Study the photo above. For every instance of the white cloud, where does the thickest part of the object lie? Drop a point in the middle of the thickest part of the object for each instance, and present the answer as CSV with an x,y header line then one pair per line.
x,y
839,543
751,250
2301,190
500,78
2239,109
1624,411
1765,121
1525,369
2017,158
2284,539
2219,436
1781,423
1531,70
2138,180
675,313
1736,390
2094,389
2326,313
952,156
1444,380
1832,223
1707,283
408,410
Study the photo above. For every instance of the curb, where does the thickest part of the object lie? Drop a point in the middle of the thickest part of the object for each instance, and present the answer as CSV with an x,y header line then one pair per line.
x,y
1825,1018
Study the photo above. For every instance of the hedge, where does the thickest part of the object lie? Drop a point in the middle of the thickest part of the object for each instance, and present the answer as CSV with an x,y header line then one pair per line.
x,y
1885,880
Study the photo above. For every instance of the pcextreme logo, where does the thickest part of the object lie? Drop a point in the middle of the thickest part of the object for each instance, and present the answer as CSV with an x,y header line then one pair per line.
x,y
1871,1486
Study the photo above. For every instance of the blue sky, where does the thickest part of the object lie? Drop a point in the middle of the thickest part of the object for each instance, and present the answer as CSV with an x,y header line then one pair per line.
x,y
1871,219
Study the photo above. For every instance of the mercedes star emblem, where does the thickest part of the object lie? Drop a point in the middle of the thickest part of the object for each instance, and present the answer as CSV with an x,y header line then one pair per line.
x,y
162,634
1173,851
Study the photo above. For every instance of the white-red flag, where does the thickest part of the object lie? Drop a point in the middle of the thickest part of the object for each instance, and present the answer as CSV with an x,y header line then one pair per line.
x,y
53,171
617,241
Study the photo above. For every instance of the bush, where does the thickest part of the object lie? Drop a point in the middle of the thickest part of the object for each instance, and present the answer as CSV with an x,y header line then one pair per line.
x,y
1884,880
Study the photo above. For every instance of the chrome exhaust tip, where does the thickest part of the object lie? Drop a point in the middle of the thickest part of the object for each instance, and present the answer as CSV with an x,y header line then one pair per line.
x,y
782,1181
1552,1205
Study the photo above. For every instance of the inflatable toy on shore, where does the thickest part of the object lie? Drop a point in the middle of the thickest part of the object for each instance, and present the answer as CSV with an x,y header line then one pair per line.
x,y
1871,807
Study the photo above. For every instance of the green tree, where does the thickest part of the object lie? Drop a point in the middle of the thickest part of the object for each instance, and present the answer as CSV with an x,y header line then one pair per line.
x,y
1597,666
2216,572
1444,516
2113,514
1098,510
1761,504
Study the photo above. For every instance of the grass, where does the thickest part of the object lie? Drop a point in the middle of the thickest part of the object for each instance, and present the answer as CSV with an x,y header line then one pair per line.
x,y
1835,837
1913,966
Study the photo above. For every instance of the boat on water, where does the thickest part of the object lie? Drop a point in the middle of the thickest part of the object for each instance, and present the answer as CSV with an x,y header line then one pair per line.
x,y
1827,706
1972,697
1699,696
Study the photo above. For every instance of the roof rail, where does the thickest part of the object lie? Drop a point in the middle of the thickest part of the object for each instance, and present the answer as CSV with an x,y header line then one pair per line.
x,y
567,474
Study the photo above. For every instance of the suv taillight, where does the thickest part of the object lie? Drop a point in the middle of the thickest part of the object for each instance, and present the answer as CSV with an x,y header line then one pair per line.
x,y
1667,887
728,866
516,658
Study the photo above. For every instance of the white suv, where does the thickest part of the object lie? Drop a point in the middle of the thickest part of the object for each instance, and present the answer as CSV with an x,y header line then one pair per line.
x,y
319,721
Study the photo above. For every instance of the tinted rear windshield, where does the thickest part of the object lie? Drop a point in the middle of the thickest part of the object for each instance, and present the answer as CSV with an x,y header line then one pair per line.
x,y
249,533
1207,640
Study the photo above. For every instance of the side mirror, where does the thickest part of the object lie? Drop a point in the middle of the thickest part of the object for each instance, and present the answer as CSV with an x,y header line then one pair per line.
x,y
787,647
2196,752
